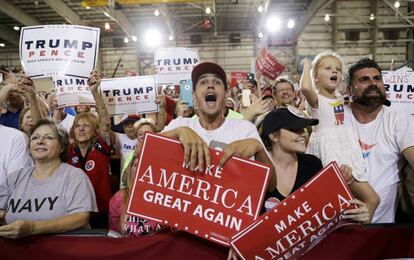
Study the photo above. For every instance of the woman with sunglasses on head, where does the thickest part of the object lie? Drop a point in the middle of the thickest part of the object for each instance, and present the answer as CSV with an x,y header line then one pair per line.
x,y
91,150
283,135
50,197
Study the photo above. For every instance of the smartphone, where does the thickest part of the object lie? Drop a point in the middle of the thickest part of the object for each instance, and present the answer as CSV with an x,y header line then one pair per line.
x,y
246,97
186,92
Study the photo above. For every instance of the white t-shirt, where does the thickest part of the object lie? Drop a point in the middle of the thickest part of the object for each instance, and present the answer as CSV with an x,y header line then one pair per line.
x,y
124,145
14,152
382,141
330,112
231,130
67,122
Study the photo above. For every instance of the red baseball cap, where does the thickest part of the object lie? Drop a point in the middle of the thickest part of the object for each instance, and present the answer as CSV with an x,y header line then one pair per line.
x,y
208,68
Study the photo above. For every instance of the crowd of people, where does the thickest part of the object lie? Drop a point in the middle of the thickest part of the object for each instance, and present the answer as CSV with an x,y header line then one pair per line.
x,y
56,173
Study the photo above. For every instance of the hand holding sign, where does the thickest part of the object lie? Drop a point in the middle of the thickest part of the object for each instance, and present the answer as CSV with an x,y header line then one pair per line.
x,y
94,81
360,214
196,152
242,148
28,86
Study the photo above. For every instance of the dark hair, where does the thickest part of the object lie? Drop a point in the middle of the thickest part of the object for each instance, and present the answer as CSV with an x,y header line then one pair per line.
x,y
283,81
361,64
61,134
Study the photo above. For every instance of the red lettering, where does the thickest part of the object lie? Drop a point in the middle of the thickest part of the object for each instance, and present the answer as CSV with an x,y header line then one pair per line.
x,y
54,53
31,53
42,53
81,54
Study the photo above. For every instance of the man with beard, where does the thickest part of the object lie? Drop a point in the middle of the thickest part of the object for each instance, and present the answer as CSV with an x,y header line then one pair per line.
x,y
212,129
386,136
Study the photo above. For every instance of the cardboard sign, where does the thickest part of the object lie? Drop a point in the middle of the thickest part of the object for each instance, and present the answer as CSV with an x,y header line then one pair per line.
x,y
129,95
214,205
236,77
71,91
268,65
175,64
300,221
58,50
399,86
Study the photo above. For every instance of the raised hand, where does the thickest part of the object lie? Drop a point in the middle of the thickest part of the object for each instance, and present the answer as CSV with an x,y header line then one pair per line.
x,y
94,81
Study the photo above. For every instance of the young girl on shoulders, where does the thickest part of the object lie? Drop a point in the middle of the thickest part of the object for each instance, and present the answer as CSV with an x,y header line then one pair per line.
x,y
330,139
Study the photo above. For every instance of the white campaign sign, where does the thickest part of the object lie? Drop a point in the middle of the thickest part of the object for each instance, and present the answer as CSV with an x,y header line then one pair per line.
x,y
400,89
72,91
58,50
175,64
129,95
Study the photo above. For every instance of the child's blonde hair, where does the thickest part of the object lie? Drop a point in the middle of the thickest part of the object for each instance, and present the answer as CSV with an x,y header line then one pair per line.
x,y
317,62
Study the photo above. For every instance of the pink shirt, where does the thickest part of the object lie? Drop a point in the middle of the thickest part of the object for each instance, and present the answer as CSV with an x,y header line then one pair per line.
x,y
131,226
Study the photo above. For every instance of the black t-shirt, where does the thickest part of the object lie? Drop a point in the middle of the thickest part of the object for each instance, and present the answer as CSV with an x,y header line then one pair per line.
x,y
308,166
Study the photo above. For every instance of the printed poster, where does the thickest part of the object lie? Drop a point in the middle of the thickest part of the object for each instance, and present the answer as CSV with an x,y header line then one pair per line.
x,y
175,64
213,205
72,91
59,50
299,222
129,95
399,86
268,65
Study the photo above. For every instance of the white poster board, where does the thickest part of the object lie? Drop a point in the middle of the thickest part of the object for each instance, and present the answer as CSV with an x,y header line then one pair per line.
x,y
58,50
175,64
72,91
399,86
130,95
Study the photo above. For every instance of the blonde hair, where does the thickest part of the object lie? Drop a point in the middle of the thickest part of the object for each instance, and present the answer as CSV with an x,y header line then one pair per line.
x,y
317,62
87,116
145,121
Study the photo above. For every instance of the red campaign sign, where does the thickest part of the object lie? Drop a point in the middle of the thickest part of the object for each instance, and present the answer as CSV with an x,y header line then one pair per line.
x,y
268,65
300,221
214,205
236,77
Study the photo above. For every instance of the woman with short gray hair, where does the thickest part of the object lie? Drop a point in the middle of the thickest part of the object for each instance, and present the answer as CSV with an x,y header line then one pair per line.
x,y
50,197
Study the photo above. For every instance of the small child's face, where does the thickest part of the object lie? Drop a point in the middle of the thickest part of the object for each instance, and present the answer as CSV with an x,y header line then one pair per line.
x,y
329,73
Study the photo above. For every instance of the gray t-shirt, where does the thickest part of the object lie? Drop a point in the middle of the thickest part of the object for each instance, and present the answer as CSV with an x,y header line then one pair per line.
x,y
68,191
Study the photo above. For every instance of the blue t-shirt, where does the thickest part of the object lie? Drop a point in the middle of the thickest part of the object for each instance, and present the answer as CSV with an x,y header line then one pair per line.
x,y
10,119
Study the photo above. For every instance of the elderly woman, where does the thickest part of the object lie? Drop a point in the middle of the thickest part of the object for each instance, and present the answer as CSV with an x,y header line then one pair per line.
x,y
91,151
283,134
50,197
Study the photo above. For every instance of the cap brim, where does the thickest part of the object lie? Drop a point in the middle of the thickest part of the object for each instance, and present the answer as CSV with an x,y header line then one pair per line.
x,y
208,68
301,123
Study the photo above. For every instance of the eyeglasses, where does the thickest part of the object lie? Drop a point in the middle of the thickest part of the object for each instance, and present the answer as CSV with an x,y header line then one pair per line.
x,y
47,137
